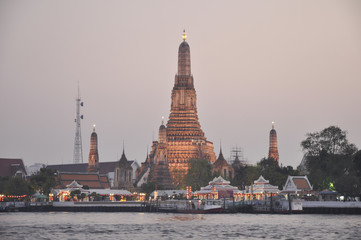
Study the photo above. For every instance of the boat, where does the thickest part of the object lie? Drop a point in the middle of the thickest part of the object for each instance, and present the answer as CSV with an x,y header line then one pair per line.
x,y
194,206
277,206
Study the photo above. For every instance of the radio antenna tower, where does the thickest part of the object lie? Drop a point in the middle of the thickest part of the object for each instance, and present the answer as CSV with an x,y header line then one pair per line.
x,y
78,149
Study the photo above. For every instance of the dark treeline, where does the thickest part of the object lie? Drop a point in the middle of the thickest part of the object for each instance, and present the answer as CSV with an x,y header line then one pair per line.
x,y
330,162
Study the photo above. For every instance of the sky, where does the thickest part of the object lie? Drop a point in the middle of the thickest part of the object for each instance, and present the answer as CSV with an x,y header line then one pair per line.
x,y
297,63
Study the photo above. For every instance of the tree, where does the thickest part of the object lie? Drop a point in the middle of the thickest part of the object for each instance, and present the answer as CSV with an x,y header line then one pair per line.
x,y
268,168
43,181
330,159
199,173
331,140
356,159
18,186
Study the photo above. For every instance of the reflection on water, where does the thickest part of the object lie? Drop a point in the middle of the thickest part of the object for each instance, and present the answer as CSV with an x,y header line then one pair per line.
x,y
176,226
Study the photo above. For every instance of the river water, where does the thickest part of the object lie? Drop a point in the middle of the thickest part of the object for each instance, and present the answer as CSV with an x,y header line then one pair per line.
x,y
64,225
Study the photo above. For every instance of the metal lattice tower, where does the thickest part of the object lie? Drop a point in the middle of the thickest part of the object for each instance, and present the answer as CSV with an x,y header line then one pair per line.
x,y
78,149
237,155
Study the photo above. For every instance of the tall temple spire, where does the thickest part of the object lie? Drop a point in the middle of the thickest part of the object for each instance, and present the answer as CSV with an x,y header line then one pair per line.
x,y
273,148
93,160
185,138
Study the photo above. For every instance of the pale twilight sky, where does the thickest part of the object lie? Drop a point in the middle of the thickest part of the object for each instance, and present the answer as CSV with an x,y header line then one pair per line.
x,y
297,63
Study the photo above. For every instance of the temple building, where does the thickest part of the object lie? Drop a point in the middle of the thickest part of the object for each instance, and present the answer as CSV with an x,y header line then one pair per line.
x,y
95,170
298,185
222,168
273,149
12,167
183,137
260,189
123,177
218,188
159,171
93,161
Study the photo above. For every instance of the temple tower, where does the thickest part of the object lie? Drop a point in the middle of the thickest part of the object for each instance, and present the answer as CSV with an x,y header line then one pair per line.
x,y
273,149
159,172
93,160
185,138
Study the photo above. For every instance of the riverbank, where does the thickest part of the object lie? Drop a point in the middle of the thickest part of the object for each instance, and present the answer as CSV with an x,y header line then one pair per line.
x,y
308,207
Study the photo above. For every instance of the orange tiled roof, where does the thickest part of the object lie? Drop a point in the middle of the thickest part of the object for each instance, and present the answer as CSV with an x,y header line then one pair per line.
x,y
301,183
92,180
86,177
90,184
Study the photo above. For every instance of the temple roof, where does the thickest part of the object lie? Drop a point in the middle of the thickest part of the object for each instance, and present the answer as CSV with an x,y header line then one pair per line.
x,y
92,180
219,181
74,184
297,184
220,160
104,167
9,166
261,180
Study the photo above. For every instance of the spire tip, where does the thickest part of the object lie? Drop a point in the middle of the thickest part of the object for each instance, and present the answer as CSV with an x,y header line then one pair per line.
x,y
184,35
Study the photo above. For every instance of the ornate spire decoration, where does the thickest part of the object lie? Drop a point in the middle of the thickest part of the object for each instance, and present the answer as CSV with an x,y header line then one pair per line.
x,y
273,148
184,36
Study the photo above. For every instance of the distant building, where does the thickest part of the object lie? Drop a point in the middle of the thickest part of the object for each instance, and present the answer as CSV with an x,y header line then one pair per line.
x,y
12,167
34,168
273,148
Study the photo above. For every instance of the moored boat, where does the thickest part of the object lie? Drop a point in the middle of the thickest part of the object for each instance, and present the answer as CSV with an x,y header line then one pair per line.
x,y
191,206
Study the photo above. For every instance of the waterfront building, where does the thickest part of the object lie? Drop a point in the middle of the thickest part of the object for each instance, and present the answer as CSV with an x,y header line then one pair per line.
x,y
64,194
298,185
222,168
327,195
168,194
218,188
12,167
273,148
260,189
185,139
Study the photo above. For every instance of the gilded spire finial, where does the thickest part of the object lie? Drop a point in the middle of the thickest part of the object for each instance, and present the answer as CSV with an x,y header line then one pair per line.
x,y
93,127
273,125
184,35
162,120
